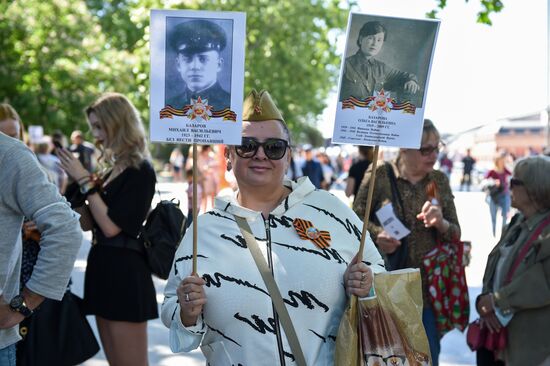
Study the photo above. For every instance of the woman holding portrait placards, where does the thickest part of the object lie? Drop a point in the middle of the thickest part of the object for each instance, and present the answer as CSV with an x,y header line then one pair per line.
x,y
423,201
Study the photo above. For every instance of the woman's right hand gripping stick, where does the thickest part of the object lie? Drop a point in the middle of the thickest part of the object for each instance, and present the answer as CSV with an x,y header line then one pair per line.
x,y
192,298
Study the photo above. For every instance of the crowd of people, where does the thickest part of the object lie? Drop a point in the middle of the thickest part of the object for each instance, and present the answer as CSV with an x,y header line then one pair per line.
x,y
323,170
308,238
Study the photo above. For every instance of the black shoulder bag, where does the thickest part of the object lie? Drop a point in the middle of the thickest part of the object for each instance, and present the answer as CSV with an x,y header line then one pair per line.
x,y
58,333
397,259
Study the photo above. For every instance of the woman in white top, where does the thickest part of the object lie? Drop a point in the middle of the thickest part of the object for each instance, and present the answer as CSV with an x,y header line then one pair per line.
x,y
226,308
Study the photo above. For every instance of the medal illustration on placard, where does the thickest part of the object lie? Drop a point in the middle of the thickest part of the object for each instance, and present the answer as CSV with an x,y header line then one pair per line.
x,y
199,109
382,102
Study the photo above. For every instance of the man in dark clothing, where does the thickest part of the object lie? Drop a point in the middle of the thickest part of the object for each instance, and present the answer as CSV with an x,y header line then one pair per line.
x,y
358,169
83,150
313,169
198,44
468,162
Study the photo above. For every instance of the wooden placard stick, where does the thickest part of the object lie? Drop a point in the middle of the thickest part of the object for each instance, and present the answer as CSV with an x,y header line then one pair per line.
x,y
369,203
353,311
195,207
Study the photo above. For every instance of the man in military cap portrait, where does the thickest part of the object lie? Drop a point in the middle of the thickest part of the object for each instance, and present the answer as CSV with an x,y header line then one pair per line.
x,y
198,45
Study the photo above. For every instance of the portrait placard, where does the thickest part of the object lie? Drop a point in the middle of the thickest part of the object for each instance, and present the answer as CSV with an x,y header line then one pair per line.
x,y
36,134
197,76
384,80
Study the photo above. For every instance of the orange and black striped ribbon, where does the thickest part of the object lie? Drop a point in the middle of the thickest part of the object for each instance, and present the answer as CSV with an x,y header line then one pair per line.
x,y
321,240
352,102
406,107
169,112
226,113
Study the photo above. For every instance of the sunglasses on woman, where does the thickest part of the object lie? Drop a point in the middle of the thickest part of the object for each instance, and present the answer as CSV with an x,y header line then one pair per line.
x,y
514,182
274,148
428,150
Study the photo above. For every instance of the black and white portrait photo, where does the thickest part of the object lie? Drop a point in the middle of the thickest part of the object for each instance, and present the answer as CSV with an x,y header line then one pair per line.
x,y
387,53
197,76
384,79
198,61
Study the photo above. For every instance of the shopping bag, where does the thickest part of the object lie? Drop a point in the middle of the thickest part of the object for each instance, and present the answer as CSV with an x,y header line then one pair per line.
x,y
347,348
386,328
447,287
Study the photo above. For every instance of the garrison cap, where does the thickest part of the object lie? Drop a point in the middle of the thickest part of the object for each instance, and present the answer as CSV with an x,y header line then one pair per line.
x,y
197,36
258,106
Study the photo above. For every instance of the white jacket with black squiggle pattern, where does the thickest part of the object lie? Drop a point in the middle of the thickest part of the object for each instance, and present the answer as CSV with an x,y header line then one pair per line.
x,y
238,326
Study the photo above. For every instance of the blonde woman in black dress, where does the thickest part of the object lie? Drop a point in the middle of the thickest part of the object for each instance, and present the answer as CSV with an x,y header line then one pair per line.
x,y
118,287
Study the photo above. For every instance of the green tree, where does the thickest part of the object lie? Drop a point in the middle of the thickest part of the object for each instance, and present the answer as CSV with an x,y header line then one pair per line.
x,y
483,16
55,59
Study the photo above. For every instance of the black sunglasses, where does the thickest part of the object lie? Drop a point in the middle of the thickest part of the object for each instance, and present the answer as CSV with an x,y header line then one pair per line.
x,y
516,182
427,150
274,148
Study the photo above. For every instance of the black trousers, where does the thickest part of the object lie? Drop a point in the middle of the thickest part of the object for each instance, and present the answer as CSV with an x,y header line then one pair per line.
x,y
484,357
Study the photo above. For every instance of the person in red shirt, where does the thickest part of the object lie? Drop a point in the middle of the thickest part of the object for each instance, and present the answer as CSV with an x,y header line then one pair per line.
x,y
499,196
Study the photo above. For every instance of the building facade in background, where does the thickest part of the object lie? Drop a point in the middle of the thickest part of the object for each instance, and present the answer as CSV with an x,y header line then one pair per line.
x,y
520,136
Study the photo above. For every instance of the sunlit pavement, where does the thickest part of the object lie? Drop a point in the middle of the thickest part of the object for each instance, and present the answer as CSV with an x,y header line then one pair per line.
x,y
475,221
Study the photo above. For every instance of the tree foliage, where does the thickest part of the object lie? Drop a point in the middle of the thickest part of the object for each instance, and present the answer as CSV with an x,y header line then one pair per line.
x,y
54,59
483,16
58,55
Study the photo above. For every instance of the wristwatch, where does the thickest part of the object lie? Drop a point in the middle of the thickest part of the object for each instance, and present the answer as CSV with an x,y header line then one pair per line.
x,y
18,304
88,188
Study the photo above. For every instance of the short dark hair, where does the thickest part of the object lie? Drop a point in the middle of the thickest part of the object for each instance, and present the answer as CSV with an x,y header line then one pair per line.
x,y
287,132
369,29
366,151
58,135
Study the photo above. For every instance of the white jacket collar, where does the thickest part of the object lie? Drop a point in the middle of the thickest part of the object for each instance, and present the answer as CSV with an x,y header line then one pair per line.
x,y
300,189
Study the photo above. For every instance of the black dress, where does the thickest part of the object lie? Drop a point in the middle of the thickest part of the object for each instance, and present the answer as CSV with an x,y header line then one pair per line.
x,y
118,284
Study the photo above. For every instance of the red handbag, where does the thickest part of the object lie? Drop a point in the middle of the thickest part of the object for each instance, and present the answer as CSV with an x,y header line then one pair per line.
x,y
478,337
447,287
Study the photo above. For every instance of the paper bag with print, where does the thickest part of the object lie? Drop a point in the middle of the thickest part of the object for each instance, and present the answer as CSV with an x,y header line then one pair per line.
x,y
388,326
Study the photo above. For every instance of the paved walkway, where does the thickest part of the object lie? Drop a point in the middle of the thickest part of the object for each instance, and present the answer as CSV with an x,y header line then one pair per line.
x,y
474,218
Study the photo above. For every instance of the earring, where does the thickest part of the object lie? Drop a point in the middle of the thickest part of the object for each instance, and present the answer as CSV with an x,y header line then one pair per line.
x,y
228,166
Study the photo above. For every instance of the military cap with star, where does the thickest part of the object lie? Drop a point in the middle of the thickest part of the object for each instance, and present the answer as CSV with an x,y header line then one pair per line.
x,y
197,36
258,106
